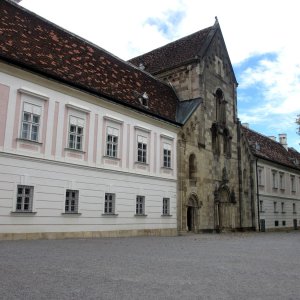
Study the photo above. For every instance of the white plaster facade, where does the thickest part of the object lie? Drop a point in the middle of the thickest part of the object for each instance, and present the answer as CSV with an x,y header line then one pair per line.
x,y
277,196
51,167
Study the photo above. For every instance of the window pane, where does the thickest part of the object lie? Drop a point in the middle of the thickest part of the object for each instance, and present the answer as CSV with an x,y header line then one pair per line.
x,y
73,128
36,119
26,117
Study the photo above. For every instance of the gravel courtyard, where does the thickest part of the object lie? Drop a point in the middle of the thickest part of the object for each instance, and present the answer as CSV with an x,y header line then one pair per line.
x,y
207,266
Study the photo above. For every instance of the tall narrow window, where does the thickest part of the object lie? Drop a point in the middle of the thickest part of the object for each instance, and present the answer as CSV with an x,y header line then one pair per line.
x,y
260,176
140,205
109,204
76,133
141,149
112,138
275,206
167,155
293,189
166,206
261,206
31,122
274,179
24,198
192,167
71,204
294,208
281,181
282,208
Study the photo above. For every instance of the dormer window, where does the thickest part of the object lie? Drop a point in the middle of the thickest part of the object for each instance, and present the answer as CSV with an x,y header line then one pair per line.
x,y
144,99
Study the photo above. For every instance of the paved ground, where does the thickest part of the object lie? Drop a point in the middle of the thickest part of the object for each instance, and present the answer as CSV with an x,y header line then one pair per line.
x,y
226,266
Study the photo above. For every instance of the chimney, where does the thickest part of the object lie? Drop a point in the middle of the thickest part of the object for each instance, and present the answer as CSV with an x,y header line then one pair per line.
x,y
272,137
246,125
283,140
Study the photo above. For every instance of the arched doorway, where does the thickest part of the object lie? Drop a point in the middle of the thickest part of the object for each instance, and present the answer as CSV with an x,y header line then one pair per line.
x,y
192,214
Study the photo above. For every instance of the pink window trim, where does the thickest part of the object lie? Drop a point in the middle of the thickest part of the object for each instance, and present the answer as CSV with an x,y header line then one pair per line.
x,y
17,121
87,135
4,97
45,122
55,124
65,132
95,138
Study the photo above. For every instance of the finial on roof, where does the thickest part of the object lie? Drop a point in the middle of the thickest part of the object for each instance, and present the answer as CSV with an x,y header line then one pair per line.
x,y
216,19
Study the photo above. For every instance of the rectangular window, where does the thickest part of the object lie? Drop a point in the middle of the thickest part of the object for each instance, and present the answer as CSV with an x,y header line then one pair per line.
x,y
275,206
71,204
282,207
294,208
166,206
167,155
76,128
283,223
274,179
261,206
109,204
260,175
281,181
140,205
293,189
142,149
31,122
276,223
24,198
112,137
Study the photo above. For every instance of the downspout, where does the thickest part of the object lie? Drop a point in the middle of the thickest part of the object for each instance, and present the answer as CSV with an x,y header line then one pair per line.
x,y
257,196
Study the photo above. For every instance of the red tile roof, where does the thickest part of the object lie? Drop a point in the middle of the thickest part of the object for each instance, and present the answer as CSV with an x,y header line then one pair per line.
x,y
174,54
266,148
36,44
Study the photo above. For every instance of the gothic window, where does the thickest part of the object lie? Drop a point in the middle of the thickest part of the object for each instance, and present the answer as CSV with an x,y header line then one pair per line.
x,y
215,139
192,167
220,107
227,143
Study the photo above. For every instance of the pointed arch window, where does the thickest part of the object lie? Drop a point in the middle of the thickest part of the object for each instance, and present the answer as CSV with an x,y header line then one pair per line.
x,y
220,107
192,167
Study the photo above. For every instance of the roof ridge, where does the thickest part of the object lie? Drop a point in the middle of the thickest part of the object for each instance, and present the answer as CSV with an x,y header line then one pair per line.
x,y
173,42
264,136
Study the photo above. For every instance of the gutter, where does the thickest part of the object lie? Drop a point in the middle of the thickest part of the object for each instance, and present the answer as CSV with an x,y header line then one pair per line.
x,y
86,90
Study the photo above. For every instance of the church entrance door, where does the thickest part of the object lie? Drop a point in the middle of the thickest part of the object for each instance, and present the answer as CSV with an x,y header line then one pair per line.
x,y
190,218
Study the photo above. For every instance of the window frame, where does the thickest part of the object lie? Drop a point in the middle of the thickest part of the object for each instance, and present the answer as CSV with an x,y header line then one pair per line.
x,y
75,133
140,206
68,207
167,155
23,196
274,179
293,183
107,201
112,147
142,152
166,206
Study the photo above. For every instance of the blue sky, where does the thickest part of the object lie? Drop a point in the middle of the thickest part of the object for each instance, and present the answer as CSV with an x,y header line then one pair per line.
x,y
260,37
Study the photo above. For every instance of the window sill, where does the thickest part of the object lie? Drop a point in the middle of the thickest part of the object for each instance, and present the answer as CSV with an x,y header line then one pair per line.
x,y
167,215
283,212
276,212
140,215
23,213
167,168
109,215
261,211
29,141
71,214
111,157
74,150
294,212
141,163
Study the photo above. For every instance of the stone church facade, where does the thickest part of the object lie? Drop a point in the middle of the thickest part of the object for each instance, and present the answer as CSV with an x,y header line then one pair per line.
x,y
211,193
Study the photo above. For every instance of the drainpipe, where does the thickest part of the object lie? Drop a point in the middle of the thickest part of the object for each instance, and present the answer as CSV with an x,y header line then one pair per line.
x,y
257,196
